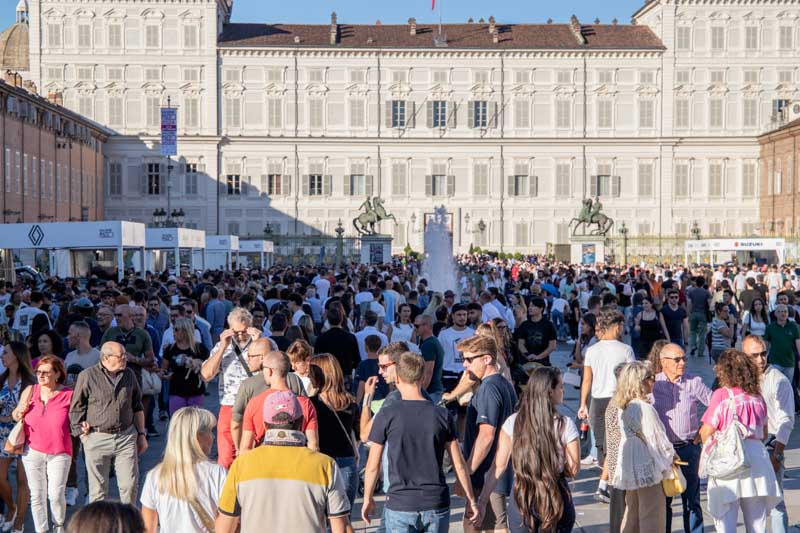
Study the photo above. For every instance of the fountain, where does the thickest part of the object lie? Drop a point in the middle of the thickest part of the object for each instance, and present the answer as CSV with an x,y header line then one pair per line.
x,y
438,265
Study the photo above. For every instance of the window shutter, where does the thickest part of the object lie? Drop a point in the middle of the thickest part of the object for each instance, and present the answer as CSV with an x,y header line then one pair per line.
x,y
201,168
411,121
510,185
616,186
451,185
429,113
492,114
388,113
471,114
533,184
452,109
265,185
305,185
286,185
593,186
428,185
326,184
368,182
143,180
347,190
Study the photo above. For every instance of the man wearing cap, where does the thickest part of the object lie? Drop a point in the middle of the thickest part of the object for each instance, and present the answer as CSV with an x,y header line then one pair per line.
x,y
283,485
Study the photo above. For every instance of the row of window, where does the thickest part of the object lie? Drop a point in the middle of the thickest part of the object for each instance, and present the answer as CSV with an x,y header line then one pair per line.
x,y
28,112
36,177
689,38
91,73
88,36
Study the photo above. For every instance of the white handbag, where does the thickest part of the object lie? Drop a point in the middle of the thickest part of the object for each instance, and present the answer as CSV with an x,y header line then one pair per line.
x,y
723,453
151,383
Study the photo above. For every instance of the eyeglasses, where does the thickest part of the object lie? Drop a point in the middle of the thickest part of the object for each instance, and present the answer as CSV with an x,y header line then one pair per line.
x,y
470,359
242,332
676,359
673,297
252,355
387,365
758,354
118,356
117,315
43,373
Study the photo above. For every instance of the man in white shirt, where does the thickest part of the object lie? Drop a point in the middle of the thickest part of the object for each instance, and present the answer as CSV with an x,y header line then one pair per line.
x,y
296,308
453,364
370,319
25,316
779,397
488,309
363,295
322,284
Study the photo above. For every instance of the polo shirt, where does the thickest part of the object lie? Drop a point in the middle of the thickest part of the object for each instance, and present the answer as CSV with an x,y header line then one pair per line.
x,y
254,415
291,488
781,343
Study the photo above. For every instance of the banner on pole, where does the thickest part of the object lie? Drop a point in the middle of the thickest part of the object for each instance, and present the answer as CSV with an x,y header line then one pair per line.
x,y
169,131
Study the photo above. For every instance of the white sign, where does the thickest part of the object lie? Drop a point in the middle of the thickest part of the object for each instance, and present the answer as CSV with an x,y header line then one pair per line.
x,y
734,244
222,242
56,235
255,246
175,238
169,131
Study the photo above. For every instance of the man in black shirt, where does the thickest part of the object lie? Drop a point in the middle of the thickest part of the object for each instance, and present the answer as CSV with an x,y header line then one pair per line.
x,y
676,319
749,294
536,337
341,344
277,328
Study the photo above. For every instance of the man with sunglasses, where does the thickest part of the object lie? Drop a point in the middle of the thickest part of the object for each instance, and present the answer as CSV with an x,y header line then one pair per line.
x,y
676,319
676,396
777,392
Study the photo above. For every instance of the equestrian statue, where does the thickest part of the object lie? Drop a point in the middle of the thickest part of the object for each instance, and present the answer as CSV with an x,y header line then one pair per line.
x,y
591,215
374,212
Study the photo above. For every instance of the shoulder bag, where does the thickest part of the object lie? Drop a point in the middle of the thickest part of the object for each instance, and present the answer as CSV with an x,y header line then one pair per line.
x,y
723,453
351,438
16,441
238,351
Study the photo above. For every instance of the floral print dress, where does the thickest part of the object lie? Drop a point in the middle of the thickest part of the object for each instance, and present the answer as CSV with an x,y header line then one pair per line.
x,y
9,398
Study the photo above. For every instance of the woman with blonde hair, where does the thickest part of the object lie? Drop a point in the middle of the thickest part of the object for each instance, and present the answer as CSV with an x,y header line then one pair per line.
x,y
645,452
183,360
336,417
180,494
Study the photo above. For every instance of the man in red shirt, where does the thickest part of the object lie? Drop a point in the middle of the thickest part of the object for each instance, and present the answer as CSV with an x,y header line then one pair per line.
x,y
276,367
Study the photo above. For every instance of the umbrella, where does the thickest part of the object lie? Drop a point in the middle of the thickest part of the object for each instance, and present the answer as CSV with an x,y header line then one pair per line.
x,y
549,287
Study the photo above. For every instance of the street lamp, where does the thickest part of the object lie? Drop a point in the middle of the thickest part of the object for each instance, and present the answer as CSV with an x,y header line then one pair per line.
x,y
268,230
623,230
695,231
177,216
481,226
159,217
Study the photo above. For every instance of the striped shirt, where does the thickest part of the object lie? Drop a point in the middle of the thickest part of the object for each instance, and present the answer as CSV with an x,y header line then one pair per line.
x,y
718,340
676,404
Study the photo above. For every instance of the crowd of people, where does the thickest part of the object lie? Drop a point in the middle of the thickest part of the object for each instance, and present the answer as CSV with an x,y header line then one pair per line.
x,y
333,385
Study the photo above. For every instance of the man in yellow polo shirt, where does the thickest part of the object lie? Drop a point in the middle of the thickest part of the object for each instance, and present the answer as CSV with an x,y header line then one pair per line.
x,y
283,485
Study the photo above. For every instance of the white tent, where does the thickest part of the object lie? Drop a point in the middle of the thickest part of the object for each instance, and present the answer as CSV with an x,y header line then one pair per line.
x,y
711,246
220,250
175,240
263,249
69,242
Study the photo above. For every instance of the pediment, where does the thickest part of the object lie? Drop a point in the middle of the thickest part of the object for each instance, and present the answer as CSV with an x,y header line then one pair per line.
x,y
275,89
605,90
84,13
152,14
114,14
647,90
85,87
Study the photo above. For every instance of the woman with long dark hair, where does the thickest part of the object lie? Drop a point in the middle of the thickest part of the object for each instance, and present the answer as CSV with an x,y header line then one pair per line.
x,y
544,450
755,319
45,342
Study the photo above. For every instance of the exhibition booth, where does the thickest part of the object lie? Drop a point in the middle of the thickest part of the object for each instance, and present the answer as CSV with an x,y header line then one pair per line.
x,y
220,252
171,248
257,253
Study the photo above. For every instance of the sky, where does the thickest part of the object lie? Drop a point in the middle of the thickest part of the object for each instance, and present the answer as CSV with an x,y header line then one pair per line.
x,y
399,11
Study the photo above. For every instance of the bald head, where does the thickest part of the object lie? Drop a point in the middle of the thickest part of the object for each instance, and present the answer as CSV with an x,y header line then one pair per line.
x,y
673,361
261,346
279,363
671,350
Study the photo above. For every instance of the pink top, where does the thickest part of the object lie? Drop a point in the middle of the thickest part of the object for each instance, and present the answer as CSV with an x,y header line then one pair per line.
x,y
751,411
47,426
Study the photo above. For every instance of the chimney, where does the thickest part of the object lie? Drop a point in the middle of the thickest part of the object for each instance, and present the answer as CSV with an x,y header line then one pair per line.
x,y
470,20
597,21
378,22
575,27
495,37
614,22
549,21
334,28
30,86
481,21
56,97
412,26
491,24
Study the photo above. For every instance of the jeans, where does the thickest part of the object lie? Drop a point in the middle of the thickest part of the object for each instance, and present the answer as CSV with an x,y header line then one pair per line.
x,y
47,479
349,472
558,322
437,521
692,510
697,333
597,421
778,515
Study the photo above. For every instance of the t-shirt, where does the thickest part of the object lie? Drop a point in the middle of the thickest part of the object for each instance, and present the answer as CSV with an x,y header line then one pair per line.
x,y
751,410
674,321
718,340
699,298
24,317
333,441
603,357
255,385
417,433
432,351
253,420
492,404
782,343
537,336
284,488
231,372
177,516
185,383
368,368
569,432
453,359
85,360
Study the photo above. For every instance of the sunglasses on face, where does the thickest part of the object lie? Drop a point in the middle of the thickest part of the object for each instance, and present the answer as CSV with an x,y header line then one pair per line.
x,y
387,365
470,359
676,359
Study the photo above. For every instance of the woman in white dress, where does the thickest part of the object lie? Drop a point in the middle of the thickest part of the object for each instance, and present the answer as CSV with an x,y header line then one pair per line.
x,y
645,452
755,319
402,329
180,495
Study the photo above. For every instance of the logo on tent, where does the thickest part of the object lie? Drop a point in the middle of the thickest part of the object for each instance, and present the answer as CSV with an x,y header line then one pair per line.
x,y
36,235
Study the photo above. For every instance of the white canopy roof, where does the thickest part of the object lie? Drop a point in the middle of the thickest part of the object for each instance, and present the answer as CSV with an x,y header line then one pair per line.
x,y
256,246
736,245
86,235
222,243
159,238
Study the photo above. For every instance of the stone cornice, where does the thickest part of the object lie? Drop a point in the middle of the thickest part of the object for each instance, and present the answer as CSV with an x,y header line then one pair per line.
x,y
424,53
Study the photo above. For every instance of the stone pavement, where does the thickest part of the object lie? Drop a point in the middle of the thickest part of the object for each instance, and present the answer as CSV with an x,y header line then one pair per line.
x,y
592,517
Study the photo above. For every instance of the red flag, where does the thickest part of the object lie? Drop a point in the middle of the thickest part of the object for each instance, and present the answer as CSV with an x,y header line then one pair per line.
x,y
433,5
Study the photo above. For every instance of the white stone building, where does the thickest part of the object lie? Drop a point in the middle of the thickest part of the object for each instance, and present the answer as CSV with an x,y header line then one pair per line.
x,y
509,124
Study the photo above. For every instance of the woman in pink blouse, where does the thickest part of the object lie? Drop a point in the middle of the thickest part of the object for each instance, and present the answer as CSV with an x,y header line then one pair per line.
x,y
45,408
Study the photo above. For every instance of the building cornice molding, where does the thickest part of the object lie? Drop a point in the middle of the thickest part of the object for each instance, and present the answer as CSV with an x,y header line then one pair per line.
x,y
424,53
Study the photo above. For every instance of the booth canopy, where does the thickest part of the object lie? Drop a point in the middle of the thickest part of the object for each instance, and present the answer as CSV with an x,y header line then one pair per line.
x,y
75,235
159,238
222,243
256,246
737,245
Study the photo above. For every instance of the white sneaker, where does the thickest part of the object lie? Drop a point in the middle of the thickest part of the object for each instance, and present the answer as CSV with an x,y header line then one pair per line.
x,y
588,461
71,495
570,341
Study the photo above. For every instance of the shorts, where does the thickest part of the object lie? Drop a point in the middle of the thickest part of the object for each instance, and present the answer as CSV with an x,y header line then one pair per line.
x,y
496,516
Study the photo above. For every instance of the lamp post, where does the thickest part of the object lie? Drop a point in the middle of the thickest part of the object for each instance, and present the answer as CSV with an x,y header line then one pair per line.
x,y
413,227
339,243
481,228
623,230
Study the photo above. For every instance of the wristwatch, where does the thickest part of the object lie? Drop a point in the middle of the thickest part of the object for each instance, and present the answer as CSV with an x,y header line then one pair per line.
x,y
142,434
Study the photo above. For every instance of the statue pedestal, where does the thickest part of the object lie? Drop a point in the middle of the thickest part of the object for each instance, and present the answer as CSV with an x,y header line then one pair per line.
x,y
376,249
587,249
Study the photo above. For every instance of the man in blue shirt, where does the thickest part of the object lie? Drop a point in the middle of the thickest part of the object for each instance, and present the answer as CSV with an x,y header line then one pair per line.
x,y
215,313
